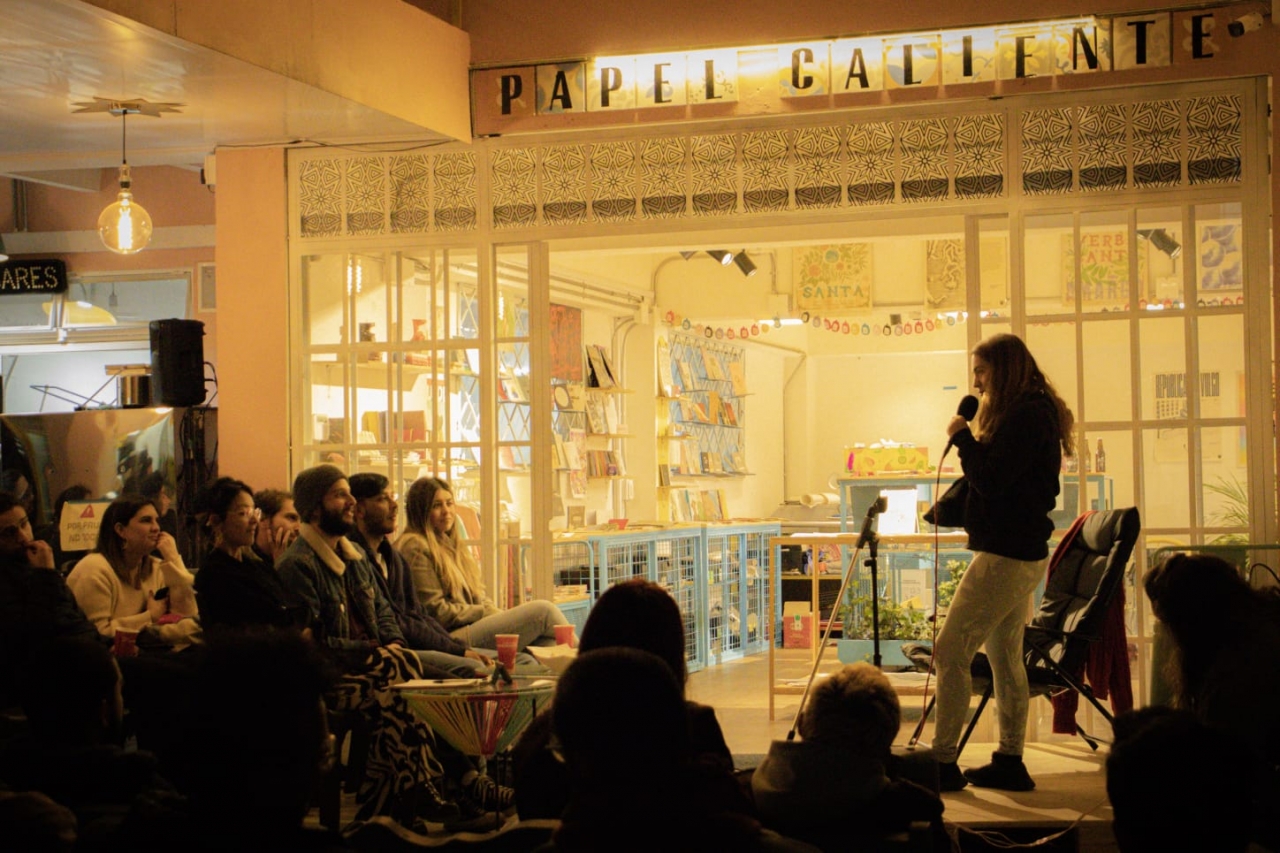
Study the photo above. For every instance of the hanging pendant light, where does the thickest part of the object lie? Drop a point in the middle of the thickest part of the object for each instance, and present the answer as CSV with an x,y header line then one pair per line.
x,y
125,225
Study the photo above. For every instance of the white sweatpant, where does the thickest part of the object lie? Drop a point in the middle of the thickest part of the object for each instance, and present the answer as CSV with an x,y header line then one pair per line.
x,y
990,607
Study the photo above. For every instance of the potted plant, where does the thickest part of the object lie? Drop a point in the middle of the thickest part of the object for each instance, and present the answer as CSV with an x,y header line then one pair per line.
x,y
898,622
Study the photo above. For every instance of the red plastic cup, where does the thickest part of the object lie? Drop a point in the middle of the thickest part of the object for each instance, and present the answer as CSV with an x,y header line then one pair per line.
x,y
507,645
564,635
125,643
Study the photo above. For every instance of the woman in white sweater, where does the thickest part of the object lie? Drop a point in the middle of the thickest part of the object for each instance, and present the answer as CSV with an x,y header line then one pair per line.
x,y
448,582
116,584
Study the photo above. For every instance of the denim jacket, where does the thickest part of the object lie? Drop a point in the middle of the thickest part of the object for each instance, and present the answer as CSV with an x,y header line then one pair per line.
x,y
315,573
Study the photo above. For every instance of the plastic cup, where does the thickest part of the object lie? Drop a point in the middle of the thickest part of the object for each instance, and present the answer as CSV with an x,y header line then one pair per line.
x,y
507,645
125,643
564,635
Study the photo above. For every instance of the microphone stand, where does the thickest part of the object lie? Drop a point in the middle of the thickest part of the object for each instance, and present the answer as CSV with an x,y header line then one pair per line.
x,y
877,507
871,539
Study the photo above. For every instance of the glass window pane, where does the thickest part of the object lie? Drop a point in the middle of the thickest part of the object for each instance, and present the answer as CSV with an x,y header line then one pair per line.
x,y
1104,262
1053,346
1107,394
1219,255
1163,366
61,381
1221,366
368,290
993,254
1160,257
1048,264
117,303
27,310
324,287
1225,477
1166,501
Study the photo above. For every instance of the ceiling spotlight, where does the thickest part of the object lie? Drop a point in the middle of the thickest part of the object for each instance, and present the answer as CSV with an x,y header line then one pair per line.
x,y
725,258
745,264
1245,24
688,255
1161,239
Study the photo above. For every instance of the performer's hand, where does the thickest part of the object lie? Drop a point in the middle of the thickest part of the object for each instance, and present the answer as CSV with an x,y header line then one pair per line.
x,y
957,423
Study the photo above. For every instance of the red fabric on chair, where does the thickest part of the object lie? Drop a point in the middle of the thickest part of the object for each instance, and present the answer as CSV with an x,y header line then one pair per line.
x,y
1107,666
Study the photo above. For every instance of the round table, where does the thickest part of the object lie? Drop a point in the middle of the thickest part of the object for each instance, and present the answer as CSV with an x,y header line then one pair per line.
x,y
475,716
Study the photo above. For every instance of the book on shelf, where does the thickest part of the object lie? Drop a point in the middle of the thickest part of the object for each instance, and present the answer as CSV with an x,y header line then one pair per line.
x,y
686,375
738,376
664,475
666,381
597,421
577,397
611,416
715,368
600,372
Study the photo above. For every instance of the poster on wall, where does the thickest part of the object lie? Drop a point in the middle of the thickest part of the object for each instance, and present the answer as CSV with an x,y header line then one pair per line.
x,y
1104,268
1219,259
566,343
833,278
945,273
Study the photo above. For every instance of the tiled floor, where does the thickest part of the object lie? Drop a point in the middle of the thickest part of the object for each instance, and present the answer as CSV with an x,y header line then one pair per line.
x,y
1070,781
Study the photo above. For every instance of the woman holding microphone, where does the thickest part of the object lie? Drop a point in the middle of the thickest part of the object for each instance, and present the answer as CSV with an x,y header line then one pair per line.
x,y
1011,456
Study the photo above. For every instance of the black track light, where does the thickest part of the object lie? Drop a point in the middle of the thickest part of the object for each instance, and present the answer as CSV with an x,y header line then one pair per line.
x,y
1162,240
745,263
725,258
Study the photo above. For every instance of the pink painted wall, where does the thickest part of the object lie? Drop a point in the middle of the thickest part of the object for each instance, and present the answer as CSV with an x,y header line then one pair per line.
x,y
253,367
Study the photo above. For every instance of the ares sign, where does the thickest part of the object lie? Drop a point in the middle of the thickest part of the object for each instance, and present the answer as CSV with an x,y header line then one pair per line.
x,y
43,277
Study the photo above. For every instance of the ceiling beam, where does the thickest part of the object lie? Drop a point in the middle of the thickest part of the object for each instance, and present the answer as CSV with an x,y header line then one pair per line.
x,y
80,180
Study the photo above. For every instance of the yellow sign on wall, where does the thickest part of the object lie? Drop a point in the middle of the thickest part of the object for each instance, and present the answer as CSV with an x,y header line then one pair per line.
x,y
834,278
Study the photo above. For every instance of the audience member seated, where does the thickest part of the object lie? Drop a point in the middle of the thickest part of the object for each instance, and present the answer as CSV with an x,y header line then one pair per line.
x,y
1177,784
33,823
72,695
351,620
448,580
278,524
636,782
376,510
254,746
235,588
118,584
35,603
1226,666
635,614
154,488
831,788
51,531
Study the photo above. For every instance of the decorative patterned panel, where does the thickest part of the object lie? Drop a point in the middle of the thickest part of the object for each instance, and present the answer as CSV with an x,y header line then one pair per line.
x,y
613,171
366,190
871,163
318,198
455,191
922,153
1214,139
564,184
979,155
1046,150
715,177
1102,147
765,171
662,178
514,188
819,160
1157,142
410,194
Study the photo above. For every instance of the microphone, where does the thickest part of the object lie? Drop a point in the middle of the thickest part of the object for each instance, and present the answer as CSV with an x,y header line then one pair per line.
x,y
967,409
878,506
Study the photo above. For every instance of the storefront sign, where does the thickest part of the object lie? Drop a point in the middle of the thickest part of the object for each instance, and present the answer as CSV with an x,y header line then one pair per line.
x,y
33,277
787,75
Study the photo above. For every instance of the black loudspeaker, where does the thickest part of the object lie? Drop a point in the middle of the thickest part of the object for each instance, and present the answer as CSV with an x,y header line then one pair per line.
x,y
177,362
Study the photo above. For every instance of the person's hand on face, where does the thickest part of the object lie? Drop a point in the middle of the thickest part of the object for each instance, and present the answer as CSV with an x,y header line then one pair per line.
x,y
16,538
281,539
168,548
39,554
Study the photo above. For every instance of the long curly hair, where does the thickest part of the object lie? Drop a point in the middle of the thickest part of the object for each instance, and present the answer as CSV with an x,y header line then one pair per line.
x,y
1013,374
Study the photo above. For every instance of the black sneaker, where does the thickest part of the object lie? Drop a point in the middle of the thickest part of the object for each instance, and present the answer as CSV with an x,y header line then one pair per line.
x,y
1005,772
489,795
949,777
472,818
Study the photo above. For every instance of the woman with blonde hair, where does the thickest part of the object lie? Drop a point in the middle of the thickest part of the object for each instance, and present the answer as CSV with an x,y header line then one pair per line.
x,y
447,578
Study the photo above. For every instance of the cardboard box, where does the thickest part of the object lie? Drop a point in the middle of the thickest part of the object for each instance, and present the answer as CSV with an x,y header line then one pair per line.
x,y
874,461
797,625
